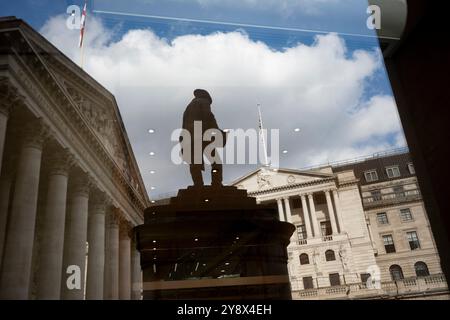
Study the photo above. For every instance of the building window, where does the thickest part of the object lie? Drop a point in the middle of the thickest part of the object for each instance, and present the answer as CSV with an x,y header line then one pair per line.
x,y
393,172
376,195
421,269
411,168
413,240
301,231
325,227
304,259
365,277
405,215
371,175
396,272
308,283
335,279
382,218
329,255
399,191
388,243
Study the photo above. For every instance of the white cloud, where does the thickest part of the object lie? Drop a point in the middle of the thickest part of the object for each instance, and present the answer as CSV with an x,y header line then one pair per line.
x,y
319,88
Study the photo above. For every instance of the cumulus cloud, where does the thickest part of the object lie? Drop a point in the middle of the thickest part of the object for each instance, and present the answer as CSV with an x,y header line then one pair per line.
x,y
318,88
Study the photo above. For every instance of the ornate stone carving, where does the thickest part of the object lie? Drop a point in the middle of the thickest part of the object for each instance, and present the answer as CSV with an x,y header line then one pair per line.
x,y
125,229
99,202
263,180
80,184
60,162
9,96
34,133
290,179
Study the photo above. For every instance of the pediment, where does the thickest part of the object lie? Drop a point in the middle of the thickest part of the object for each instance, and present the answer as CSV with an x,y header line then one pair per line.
x,y
266,178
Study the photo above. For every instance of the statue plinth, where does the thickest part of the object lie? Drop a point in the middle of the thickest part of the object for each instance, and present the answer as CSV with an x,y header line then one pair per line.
x,y
214,243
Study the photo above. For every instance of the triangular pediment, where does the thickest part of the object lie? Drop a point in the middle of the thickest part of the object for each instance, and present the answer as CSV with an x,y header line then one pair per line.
x,y
267,178
96,105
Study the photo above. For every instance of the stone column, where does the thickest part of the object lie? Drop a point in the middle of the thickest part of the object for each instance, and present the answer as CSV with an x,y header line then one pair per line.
x,y
306,216
17,256
6,179
4,114
331,212
111,278
288,210
54,217
96,240
136,281
280,209
338,210
76,237
125,261
315,223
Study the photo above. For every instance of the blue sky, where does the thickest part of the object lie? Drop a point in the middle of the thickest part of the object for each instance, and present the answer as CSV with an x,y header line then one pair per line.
x,y
332,84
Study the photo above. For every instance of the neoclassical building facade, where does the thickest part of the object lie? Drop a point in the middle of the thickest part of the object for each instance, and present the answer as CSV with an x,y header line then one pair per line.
x,y
70,188
362,229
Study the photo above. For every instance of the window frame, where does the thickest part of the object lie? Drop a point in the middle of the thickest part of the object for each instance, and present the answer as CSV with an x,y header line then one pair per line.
x,y
421,263
380,223
308,278
391,245
415,241
370,172
402,215
334,276
399,270
302,262
302,234
391,168
328,256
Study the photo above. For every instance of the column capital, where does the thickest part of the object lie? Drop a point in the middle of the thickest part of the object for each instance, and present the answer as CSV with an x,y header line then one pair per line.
x,y
100,201
113,217
34,133
125,228
9,96
60,162
80,184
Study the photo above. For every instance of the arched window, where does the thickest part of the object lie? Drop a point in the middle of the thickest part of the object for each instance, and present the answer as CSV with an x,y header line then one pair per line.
x,y
329,255
304,259
421,269
396,272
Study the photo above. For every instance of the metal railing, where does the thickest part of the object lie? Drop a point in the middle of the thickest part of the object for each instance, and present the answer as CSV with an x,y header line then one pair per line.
x,y
391,198
406,287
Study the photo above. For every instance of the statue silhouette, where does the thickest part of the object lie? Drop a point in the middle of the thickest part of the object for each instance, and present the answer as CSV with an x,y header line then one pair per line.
x,y
199,109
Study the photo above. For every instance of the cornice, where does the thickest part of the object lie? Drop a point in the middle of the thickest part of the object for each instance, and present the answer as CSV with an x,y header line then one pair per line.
x,y
56,94
292,186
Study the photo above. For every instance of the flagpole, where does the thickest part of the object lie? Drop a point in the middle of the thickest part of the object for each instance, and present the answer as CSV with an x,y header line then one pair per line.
x,y
261,131
82,32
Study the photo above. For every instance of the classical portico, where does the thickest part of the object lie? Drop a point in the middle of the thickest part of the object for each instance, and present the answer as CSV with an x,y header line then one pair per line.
x,y
70,188
316,202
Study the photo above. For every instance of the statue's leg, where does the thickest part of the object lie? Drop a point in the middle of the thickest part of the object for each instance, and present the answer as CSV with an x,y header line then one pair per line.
x,y
196,174
216,172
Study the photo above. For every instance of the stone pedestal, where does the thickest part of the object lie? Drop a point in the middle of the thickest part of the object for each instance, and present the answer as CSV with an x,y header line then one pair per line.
x,y
214,243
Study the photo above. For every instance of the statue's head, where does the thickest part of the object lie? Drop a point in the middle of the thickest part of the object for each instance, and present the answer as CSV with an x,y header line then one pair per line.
x,y
201,93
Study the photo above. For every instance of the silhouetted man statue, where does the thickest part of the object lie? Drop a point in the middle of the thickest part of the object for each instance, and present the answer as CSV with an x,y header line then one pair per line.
x,y
199,112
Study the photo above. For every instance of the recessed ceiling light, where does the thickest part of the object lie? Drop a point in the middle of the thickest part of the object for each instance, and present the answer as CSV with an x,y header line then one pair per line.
x,y
237,238
154,241
285,151
151,153
227,263
297,129
152,171
222,270
196,239
151,130
154,248
206,200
